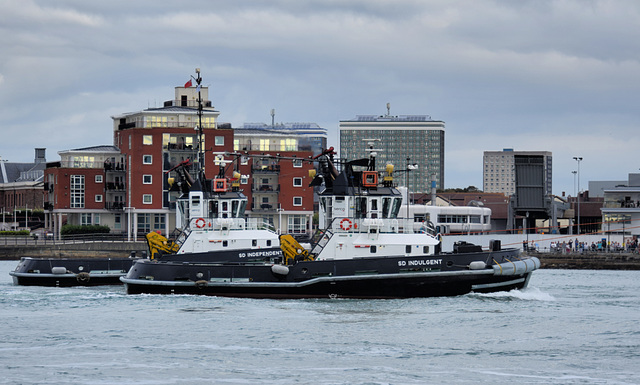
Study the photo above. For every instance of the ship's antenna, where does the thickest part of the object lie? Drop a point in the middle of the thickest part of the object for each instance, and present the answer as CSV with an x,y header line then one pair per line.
x,y
372,152
388,109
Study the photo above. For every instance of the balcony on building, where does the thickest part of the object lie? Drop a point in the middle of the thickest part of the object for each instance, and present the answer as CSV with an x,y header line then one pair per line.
x,y
266,169
114,167
263,207
114,186
114,206
265,188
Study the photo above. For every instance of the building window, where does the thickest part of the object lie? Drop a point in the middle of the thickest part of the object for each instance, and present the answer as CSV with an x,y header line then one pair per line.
x,y
77,191
147,199
147,140
244,179
147,159
297,224
85,219
144,223
219,141
297,182
288,144
146,179
117,222
297,201
297,163
158,222
96,219
84,162
98,178
99,198
244,160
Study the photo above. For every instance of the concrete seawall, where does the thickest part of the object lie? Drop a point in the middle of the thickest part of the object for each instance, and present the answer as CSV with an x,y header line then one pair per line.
x,y
595,261
78,250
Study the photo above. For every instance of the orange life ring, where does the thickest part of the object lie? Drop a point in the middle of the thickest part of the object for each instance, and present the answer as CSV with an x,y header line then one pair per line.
x,y
348,224
200,222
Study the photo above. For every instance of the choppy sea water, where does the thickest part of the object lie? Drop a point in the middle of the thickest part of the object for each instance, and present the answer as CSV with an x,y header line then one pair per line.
x,y
568,327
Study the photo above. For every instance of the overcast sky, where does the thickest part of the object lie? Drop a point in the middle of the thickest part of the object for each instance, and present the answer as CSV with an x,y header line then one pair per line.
x,y
559,76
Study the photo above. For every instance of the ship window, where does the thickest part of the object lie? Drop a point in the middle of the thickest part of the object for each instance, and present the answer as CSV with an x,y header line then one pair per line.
x,y
243,206
268,242
372,249
361,207
386,203
254,242
213,209
234,209
407,249
225,243
425,249
397,202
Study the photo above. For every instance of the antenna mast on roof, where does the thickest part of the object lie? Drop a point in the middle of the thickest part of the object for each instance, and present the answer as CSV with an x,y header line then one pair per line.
x,y
388,109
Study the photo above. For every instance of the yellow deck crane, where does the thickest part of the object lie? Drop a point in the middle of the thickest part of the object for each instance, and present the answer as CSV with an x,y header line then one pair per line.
x,y
293,251
159,245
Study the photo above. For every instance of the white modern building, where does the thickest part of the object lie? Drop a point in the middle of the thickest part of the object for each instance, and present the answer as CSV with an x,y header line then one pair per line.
x,y
621,208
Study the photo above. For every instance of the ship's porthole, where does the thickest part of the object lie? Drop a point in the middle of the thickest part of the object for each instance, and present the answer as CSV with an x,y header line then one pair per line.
x,y
449,263
80,268
199,275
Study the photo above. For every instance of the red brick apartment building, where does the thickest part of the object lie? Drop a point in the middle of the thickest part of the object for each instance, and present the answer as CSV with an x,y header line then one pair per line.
x,y
125,185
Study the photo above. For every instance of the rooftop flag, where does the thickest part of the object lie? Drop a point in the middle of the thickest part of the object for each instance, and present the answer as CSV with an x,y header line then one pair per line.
x,y
188,84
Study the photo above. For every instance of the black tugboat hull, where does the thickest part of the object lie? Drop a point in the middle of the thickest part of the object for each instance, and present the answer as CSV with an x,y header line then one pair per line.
x,y
63,272
363,288
390,277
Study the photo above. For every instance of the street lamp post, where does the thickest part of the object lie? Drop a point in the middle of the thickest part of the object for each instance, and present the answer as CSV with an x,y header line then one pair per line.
x,y
578,159
526,229
574,172
280,210
410,167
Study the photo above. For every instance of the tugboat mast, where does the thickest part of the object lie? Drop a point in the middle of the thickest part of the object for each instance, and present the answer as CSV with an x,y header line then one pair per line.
x,y
198,80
